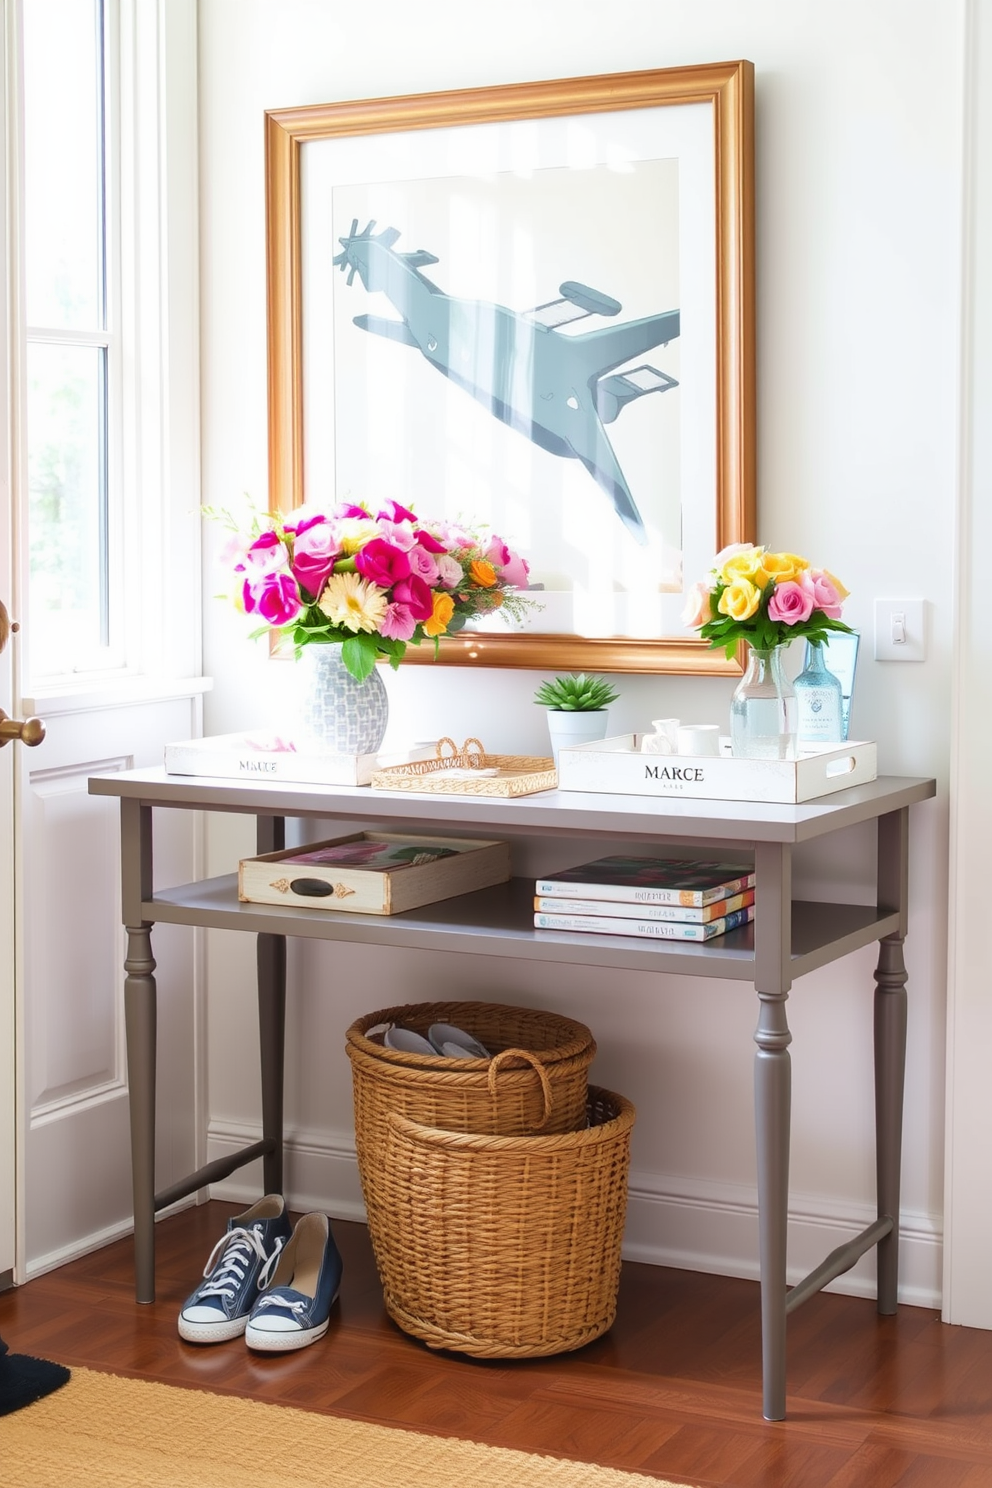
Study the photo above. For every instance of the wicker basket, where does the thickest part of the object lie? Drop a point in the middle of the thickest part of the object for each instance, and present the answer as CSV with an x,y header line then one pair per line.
x,y
536,1082
504,1247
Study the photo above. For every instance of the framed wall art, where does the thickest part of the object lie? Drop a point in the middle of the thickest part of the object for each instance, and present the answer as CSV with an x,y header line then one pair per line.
x,y
529,306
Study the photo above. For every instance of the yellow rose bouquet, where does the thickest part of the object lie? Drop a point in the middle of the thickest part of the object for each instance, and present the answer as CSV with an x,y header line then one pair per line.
x,y
764,598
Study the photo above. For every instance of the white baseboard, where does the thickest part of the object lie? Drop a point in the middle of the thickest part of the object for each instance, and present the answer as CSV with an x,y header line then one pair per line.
x,y
693,1225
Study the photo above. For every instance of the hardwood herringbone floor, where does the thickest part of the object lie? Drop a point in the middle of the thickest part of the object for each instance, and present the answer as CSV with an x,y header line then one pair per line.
x,y
672,1391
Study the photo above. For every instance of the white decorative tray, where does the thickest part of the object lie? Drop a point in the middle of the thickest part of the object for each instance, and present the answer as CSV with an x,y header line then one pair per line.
x,y
616,766
262,756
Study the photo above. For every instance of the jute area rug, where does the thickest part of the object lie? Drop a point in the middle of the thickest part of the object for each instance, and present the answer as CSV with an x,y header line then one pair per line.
x,y
103,1431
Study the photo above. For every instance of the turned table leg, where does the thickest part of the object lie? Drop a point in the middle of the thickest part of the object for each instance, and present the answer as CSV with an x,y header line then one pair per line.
x,y
890,1045
773,1109
270,961
140,1024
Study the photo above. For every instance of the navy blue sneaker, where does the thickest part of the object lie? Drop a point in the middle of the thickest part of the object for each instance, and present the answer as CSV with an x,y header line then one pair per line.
x,y
295,1309
238,1267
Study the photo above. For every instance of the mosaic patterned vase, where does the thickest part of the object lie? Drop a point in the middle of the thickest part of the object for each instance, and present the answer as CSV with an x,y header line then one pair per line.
x,y
337,713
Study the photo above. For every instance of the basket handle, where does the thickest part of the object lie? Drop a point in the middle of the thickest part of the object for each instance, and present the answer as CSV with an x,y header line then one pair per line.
x,y
535,1064
474,757
452,747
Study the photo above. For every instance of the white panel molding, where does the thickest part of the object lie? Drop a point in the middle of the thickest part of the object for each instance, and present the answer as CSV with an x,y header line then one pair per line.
x,y
76,772
38,1265
95,1086
672,1220
124,692
43,1112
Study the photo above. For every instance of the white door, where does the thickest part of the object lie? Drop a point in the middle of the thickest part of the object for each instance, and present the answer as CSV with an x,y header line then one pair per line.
x,y
7,1121
8,1169
98,504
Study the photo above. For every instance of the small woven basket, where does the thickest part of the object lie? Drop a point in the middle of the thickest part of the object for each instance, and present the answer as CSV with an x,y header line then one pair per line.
x,y
504,1247
537,1080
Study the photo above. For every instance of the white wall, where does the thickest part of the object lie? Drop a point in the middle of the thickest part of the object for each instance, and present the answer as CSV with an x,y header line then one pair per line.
x,y
858,123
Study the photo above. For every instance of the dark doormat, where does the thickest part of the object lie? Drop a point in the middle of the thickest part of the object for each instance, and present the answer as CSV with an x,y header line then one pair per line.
x,y
24,1380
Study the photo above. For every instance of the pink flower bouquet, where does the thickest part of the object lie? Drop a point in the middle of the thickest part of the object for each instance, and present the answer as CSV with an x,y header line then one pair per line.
x,y
764,598
373,584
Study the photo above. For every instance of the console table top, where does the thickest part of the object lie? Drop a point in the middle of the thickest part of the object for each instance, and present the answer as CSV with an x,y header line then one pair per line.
x,y
546,812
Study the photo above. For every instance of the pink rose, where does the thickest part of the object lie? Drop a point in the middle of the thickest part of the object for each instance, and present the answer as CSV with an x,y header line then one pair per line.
x,y
453,535
382,563
449,571
397,624
303,520
414,593
429,541
423,564
790,604
314,553
824,592
348,509
698,608
273,597
266,554
515,571
393,512
400,534
497,552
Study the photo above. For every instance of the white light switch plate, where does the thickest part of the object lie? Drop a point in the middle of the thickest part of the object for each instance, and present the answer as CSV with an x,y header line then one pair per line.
x,y
900,633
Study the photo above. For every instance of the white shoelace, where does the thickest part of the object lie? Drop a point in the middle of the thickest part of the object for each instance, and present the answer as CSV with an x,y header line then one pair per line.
x,y
237,1245
297,1308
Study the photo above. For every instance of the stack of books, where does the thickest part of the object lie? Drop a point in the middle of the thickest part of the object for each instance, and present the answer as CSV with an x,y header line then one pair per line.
x,y
668,898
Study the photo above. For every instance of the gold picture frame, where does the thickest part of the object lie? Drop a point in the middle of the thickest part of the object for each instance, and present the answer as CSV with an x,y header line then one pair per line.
x,y
725,94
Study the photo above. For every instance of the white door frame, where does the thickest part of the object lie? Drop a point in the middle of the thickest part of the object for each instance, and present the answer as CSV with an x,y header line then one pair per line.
x,y
967,1293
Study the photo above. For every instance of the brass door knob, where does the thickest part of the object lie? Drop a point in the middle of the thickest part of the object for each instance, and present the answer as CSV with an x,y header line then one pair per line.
x,y
7,626
30,731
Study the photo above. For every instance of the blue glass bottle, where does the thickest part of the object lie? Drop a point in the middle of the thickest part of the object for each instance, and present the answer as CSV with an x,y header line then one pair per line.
x,y
820,701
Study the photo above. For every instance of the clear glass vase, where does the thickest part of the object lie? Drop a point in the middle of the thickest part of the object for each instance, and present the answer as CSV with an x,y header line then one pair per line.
x,y
763,710
336,713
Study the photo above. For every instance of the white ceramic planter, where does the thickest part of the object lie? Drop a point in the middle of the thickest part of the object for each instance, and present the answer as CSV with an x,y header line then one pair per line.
x,y
575,728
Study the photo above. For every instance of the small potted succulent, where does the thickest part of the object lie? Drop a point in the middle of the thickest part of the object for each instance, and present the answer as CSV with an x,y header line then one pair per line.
x,y
577,708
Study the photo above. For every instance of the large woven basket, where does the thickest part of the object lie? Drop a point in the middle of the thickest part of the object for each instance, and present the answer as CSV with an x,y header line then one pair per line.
x,y
504,1247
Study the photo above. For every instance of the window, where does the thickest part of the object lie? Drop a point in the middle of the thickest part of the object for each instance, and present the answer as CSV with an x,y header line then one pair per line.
x,y
72,364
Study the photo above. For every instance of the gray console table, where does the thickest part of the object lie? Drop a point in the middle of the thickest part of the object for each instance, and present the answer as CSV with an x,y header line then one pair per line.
x,y
788,939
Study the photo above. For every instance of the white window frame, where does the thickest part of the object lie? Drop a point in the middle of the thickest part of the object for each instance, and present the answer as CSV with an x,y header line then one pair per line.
x,y
153,318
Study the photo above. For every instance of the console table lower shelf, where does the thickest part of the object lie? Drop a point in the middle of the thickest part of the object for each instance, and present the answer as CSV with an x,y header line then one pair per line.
x,y
788,940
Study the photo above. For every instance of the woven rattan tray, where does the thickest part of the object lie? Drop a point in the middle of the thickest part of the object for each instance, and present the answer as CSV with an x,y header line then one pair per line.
x,y
470,771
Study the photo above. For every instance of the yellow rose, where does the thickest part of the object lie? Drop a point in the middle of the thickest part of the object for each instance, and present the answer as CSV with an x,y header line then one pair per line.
x,y
784,566
750,565
739,600
444,608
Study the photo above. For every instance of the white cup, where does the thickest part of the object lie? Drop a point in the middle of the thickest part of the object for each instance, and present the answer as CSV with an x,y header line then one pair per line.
x,y
699,738
665,738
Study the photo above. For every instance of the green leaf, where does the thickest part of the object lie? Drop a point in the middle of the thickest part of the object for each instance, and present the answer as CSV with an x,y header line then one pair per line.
x,y
576,693
358,653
